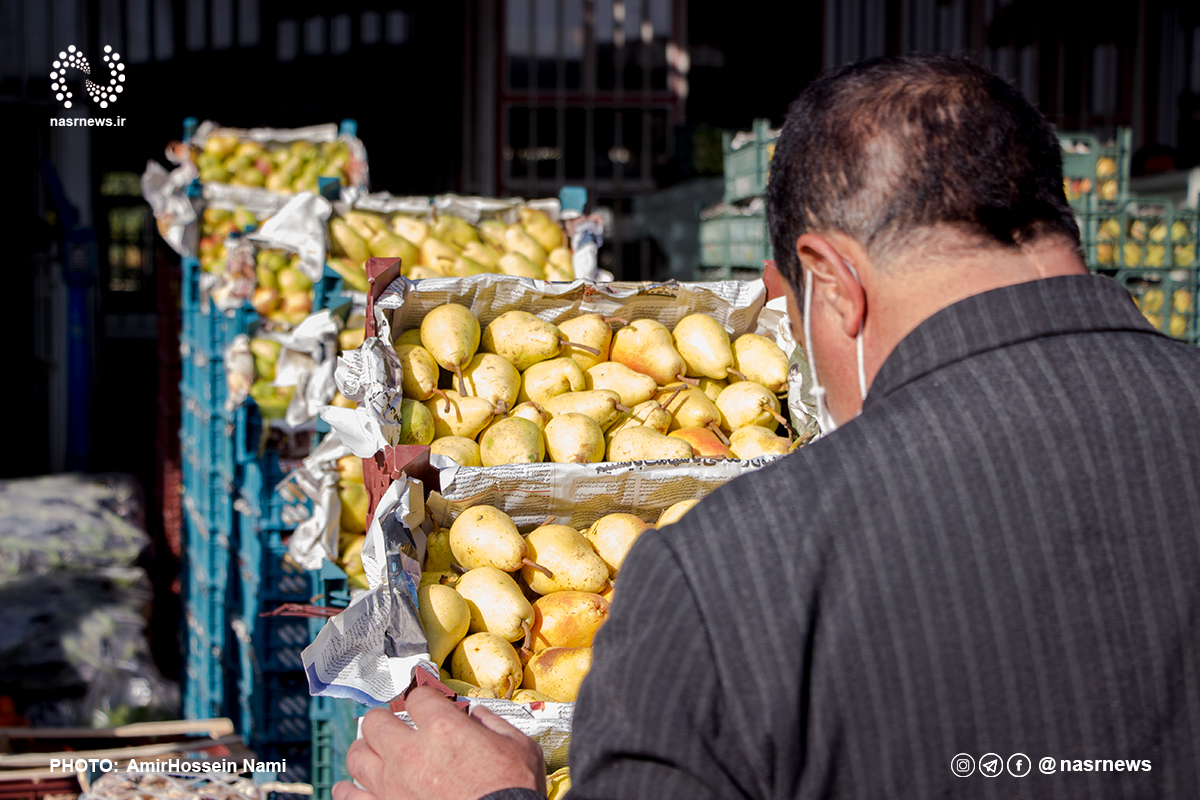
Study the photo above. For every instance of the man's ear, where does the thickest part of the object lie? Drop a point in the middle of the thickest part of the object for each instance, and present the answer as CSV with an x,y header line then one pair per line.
x,y
833,281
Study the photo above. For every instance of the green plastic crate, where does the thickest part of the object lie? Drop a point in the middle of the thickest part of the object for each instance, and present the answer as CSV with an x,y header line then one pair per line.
x,y
747,160
1095,170
735,237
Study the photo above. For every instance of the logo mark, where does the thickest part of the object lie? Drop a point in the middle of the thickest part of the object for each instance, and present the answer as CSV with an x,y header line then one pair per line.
x,y
1047,765
1019,765
962,765
73,58
990,765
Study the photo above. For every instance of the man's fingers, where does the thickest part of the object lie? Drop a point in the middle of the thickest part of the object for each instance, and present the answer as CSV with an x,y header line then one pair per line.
x,y
432,710
495,723
381,723
364,764
345,790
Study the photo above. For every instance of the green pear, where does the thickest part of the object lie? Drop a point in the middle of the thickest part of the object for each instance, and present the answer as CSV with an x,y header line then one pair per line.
x,y
675,512
632,387
267,349
704,442
496,603
551,378
516,240
564,562
591,330
410,336
492,233
438,256
482,254
272,401
645,346
389,245
365,224
567,619
464,451
639,443
445,616
601,405
346,241
455,415
293,280
454,230
353,274
522,338
438,556
487,661
414,230
541,228
748,403
558,672
512,440
761,360
350,469
354,507
574,439
753,441
493,378
464,267
416,423
451,335
484,536
419,371
519,266
612,536
704,345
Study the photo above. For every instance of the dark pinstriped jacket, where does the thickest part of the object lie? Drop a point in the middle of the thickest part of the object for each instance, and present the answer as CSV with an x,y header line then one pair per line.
x,y
1000,556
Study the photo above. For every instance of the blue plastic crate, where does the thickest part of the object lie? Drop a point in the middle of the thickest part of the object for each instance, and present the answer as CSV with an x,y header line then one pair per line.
x,y
274,707
259,481
298,758
266,576
204,676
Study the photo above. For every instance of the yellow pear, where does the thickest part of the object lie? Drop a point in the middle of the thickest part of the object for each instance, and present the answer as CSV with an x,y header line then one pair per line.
x,y
591,330
512,440
492,233
389,245
451,335
599,404
438,555
704,442
691,408
416,423
354,507
632,387
455,415
530,696
516,240
558,783
346,240
519,266
639,443
437,255
464,267
532,412
567,619
704,345
454,230
564,562
487,661
748,403
551,378
419,371
712,388
418,272
539,226
753,441
445,577
675,512
410,228
351,338
484,536
482,254
341,401
350,469
496,603
445,617
762,361
493,378
558,672
522,338
651,413
611,536
645,346
463,450
410,336
365,224
559,266
574,439
464,689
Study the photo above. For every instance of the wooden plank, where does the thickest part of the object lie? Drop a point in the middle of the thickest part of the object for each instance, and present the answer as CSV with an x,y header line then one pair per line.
x,y
218,726
16,760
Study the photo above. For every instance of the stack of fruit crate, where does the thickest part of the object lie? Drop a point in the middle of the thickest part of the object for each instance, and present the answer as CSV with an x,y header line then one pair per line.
x,y
734,240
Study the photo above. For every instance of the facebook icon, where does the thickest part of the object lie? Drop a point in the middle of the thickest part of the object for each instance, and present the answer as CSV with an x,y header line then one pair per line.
x,y
1019,765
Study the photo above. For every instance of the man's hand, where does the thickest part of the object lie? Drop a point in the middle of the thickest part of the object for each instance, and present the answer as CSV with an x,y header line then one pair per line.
x,y
449,757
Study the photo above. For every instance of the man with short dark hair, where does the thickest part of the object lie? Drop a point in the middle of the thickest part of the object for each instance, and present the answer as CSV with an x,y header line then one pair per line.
x,y
991,564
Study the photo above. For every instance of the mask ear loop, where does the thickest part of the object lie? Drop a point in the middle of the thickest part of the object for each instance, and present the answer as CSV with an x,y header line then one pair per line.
x,y
862,371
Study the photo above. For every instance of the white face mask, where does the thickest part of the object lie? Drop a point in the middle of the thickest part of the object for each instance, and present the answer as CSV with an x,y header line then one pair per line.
x,y
824,418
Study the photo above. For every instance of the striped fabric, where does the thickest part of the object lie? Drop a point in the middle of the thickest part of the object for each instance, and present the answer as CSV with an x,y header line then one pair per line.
x,y
1000,556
